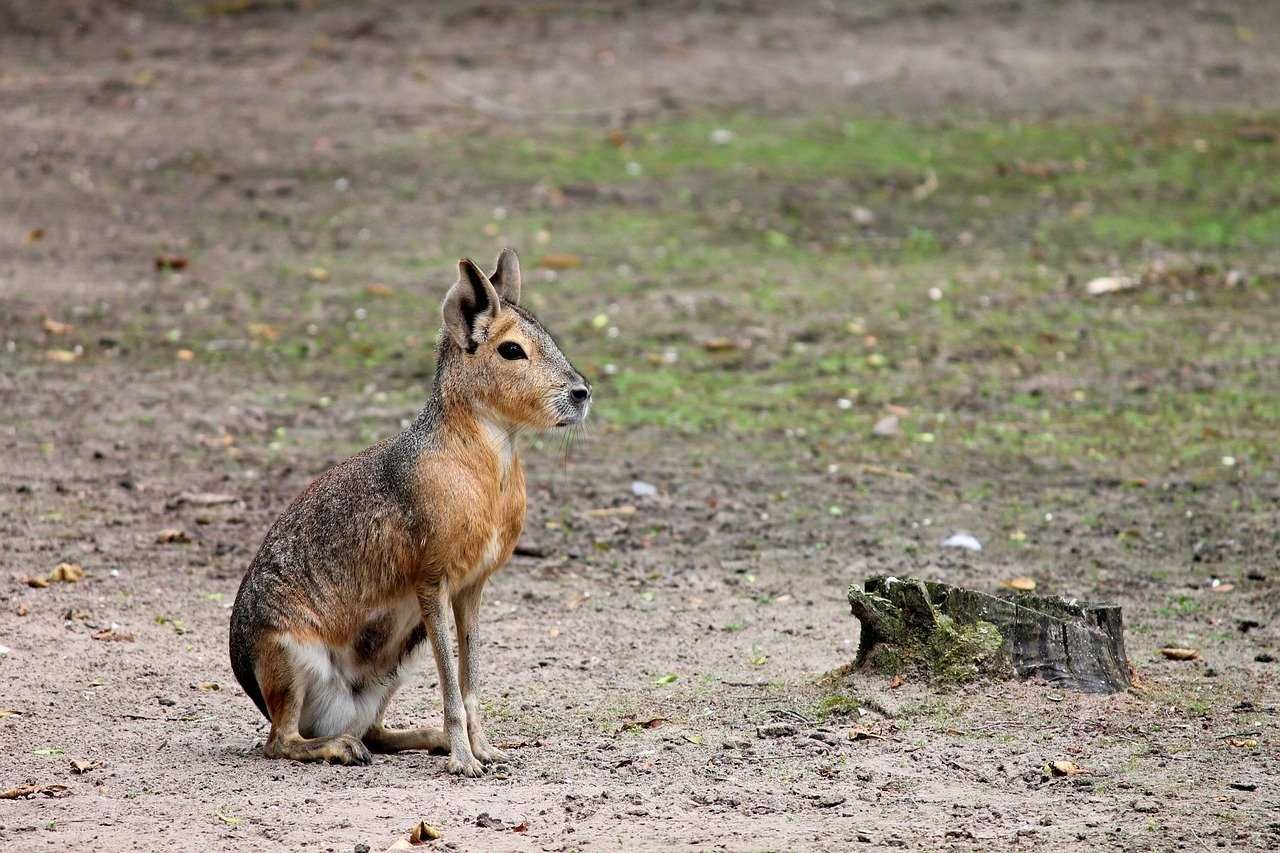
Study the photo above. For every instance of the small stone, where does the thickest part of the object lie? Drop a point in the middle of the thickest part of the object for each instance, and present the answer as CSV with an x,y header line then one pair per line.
x,y
886,427
962,540
828,801
641,489
167,701
1244,786
1145,806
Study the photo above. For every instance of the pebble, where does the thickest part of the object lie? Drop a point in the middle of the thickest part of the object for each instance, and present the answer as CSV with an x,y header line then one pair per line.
x,y
641,489
962,540
775,730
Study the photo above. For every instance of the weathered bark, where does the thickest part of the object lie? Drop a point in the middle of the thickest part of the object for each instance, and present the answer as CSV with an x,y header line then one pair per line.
x,y
958,634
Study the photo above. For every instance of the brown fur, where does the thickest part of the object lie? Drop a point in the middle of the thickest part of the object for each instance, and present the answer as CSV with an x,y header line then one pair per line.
x,y
374,554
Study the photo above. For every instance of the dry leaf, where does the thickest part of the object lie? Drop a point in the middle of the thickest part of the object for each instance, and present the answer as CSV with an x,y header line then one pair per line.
x,y
174,535
377,288
898,411
896,682
1243,743
202,499
8,712
185,355
208,686
1110,284
66,573
224,440
111,635
522,826
1176,653
35,583
865,734
633,725
1063,767
264,331
424,832
35,235
560,262
1224,587
61,356
724,344
1021,584
80,768
318,274
171,262
27,792
610,511
55,327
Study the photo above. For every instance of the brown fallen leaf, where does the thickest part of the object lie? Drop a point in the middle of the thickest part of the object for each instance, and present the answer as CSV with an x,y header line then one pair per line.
x,y
185,355
610,511
66,573
634,725
171,262
35,235
202,499
8,712
61,356
522,826
865,734
1021,584
725,344
1176,653
264,332
560,261
80,768
217,441
424,832
55,327
172,535
208,687
111,635
35,583
27,792
1243,743
1257,133
377,288
896,682
897,411
1062,767
1224,587
318,274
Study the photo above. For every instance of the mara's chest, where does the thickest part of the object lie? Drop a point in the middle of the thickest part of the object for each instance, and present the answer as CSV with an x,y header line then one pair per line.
x,y
484,530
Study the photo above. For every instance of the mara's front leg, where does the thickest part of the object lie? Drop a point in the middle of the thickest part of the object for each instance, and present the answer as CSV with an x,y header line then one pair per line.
x,y
435,618
466,610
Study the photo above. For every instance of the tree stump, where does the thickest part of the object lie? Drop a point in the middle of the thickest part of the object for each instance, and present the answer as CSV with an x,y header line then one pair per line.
x,y
956,634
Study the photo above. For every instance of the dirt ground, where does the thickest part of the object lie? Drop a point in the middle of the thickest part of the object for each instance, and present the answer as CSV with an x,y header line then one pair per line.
x,y
629,665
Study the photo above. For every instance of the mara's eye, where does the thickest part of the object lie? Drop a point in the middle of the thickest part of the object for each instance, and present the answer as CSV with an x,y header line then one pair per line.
x,y
510,350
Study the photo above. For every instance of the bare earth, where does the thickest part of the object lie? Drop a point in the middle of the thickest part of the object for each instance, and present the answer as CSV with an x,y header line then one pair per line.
x,y
580,640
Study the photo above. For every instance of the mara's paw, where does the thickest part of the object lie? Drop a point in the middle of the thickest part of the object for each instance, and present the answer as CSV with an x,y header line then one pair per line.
x,y
487,753
348,750
465,766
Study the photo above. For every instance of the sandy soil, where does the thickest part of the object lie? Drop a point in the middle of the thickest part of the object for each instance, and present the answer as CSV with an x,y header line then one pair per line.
x,y
579,639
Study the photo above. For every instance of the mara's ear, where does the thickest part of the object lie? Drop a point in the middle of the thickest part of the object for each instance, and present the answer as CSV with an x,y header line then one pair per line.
x,y
506,276
470,306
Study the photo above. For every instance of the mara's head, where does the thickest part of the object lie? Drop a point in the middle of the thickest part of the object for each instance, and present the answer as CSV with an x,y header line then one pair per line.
x,y
499,358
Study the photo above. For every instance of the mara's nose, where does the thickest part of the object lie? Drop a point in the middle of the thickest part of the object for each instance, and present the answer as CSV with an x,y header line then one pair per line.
x,y
580,393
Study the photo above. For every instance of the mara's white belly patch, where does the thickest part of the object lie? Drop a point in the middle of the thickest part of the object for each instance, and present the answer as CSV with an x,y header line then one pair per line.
x,y
341,694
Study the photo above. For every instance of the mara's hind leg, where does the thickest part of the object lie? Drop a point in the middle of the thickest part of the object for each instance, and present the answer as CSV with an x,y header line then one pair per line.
x,y
379,738
284,688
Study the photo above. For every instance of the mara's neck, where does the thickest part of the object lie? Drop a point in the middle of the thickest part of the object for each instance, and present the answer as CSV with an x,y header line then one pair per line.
x,y
450,424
